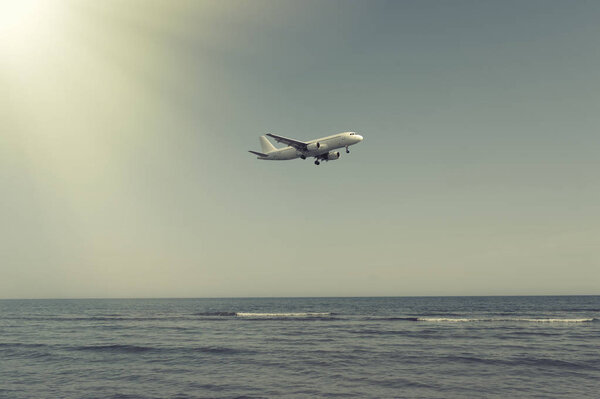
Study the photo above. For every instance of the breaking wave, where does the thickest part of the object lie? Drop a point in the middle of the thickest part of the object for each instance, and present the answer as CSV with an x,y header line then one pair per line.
x,y
329,316
270,315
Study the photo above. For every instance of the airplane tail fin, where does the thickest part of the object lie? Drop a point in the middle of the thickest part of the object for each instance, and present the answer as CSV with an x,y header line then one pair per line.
x,y
266,145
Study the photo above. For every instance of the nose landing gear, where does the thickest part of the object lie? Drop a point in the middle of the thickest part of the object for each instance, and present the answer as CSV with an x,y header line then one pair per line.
x,y
317,162
347,150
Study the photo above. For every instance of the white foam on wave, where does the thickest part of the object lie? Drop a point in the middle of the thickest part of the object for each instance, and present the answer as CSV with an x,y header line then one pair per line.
x,y
299,314
457,320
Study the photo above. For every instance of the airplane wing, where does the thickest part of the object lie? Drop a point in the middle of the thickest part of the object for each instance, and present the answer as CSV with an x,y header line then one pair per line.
x,y
299,145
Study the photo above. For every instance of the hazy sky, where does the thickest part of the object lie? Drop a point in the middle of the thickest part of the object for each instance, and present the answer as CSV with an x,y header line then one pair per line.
x,y
125,125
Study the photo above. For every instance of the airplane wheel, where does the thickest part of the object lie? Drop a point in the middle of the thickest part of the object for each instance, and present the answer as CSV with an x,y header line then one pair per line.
x,y
347,151
317,162
302,156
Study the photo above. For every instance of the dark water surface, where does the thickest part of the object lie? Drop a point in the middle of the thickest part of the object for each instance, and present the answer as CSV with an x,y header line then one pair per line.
x,y
426,347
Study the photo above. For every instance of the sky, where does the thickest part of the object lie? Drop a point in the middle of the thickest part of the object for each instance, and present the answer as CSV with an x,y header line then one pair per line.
x,y
125,125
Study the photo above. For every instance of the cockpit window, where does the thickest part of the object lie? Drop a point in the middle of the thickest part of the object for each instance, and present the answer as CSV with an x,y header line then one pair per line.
x,y
351,134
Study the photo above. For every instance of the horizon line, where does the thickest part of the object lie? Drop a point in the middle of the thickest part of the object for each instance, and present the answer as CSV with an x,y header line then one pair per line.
x,y
297,297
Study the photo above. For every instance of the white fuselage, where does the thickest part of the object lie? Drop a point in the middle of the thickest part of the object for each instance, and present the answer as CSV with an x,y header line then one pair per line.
x,y
316,147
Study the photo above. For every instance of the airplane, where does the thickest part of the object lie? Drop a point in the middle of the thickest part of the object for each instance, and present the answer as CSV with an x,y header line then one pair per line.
x,y
321,149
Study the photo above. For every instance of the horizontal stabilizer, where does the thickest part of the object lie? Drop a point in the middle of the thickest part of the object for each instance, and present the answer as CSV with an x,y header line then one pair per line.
x,y
260,154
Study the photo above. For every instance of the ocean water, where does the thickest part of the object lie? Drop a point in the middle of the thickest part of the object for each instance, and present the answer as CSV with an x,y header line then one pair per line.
x,y
401,347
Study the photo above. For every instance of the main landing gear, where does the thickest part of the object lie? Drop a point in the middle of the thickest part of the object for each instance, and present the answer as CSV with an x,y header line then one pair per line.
x,y
317,162
302,156
347,150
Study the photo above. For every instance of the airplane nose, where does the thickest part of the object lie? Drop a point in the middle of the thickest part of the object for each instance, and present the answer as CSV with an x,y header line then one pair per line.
x,y
359,137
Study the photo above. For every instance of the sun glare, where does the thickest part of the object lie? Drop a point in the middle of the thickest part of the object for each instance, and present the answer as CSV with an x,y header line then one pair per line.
x,y
22,20
14,14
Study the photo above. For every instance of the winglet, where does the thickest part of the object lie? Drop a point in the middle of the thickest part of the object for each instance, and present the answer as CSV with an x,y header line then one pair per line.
x,y
260,154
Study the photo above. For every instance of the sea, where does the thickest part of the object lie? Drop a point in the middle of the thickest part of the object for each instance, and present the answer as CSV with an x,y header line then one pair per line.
x,y
382,347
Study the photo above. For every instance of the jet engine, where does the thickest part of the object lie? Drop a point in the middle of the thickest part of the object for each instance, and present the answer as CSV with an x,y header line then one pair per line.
x,y
332,155
316,146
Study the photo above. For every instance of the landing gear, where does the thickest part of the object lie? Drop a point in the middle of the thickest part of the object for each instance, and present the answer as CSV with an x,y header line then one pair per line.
x,y
347,150
302,156
317,162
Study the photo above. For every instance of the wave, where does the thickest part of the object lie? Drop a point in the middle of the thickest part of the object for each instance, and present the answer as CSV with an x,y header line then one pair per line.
x,y
283,315
512,319
483,319
265,315
520,361
220,350
393,318
93,318
114,348
124,348
215,314
223,315
19,344
198,315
